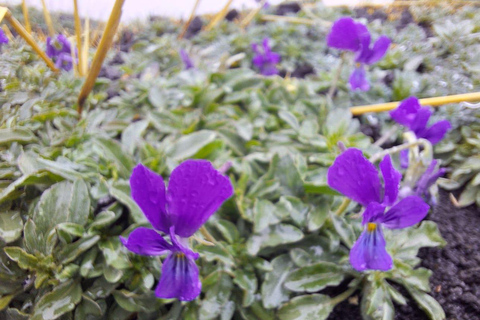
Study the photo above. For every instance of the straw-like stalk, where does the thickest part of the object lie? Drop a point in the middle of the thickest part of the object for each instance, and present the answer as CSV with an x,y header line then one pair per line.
x,y
6,14
246,21
192,15
28,27
219,16
78,33
101,53
48,19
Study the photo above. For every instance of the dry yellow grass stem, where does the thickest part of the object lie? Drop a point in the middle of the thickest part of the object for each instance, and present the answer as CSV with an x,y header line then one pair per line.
x,y
78,33
5,13
246,21
7,31
219,16
48,19
435,102
295,20
192,15
102,50
85,48
28,27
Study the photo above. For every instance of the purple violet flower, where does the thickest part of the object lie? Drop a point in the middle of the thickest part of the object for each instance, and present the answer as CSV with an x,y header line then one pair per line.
x,y
265,60
186,60
423,185
415,117
195,191
266,5
357,178
64,61
346,34
57,45
3,38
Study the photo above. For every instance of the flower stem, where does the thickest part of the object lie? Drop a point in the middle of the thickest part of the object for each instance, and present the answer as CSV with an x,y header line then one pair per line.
x,y
336,77
380,155
207,235
343,296
386,136
343,207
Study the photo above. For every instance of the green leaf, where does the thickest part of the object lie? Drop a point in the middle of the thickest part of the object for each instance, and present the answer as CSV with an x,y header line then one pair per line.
x,y
24,259
134,302
216,297
5,301
263,215
73,229
427,303
121,192
376,302
103,219
132,134
19,135
248,282
315,306
273,236
317,216
188,145
11,226
314,188
315,277
215,253
71,251
289,118
228,230
287,173
59,301
111,151
63,202
114,253
344,229
273,291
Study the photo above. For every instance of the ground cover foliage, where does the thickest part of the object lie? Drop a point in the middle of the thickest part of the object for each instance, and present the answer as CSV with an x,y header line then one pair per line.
x,y
282,240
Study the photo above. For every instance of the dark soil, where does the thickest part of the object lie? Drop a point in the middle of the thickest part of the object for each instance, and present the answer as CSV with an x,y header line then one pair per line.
x,y
455,282
289,7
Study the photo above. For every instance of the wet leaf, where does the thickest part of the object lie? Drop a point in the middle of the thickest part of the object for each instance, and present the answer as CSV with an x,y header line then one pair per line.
x,y
273,290
315,306
11,226
314,278
57,302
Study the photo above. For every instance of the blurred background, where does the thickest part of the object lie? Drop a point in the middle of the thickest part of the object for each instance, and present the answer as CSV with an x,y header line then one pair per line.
x,y
140,9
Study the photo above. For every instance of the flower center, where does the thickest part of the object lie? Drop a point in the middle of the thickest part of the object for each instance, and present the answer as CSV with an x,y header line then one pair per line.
x,y
179,254
371,227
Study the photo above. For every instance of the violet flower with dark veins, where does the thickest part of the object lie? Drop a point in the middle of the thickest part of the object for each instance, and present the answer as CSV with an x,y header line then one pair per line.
x,y
57,45
423,186
265,60
195,191
64,61
357,178
346,34
3,38
188,63
415,117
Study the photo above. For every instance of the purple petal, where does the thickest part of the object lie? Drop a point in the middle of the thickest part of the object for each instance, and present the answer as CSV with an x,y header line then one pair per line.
x,y
436,132
373,213
196,190
369,252
428,179
406,112
255,48
51,52
269,70
148,191
391,179
419,123
179,278
266,46
181,245
3,37
358,80
379,49
406,213
64,61
344,35
364,53
146,242
274,57
354,176
404,159
186,60
258,61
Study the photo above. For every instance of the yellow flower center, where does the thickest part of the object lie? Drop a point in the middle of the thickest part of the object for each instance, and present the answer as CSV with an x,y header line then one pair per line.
x,y
371,227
